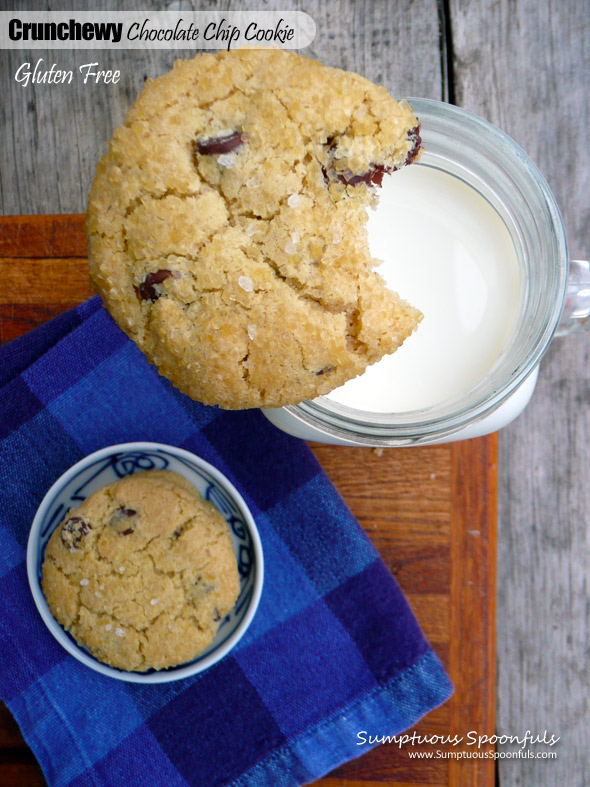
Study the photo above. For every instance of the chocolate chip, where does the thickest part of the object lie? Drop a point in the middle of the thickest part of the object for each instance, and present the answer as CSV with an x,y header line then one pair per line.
x,y
325,370
216,615
416,139
372,177
331,142
124,520
179,531
73,530
146,288
213,146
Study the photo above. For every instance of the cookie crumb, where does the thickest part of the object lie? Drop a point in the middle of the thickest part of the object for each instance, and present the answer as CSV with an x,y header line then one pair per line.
x,y
378,451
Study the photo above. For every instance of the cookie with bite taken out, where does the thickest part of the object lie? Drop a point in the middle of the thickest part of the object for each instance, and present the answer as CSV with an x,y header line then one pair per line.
x,y
227,226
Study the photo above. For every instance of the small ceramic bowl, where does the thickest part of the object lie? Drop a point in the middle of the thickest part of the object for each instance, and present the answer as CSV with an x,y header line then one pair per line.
x,y
109,465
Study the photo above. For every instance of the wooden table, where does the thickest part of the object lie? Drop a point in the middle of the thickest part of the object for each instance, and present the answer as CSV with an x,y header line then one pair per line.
x,y
524,65
431,513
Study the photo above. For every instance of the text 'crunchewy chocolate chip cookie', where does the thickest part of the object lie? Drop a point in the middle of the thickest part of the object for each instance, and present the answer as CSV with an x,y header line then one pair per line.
x,y
227,226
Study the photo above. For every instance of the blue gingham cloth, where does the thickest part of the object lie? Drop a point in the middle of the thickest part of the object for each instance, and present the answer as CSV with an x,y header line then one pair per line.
x,y
333,649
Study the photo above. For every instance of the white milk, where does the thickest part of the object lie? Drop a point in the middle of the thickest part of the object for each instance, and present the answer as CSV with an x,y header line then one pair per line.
x,y
447,252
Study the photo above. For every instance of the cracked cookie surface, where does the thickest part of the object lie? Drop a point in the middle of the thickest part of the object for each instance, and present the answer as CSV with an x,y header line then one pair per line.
x,y
142,573
227,226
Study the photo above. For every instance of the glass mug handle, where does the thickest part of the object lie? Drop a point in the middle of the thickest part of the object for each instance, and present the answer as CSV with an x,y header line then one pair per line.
x,y
576,308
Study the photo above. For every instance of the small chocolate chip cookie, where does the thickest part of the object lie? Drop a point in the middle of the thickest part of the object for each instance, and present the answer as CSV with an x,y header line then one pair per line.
x,y
227,226
142,573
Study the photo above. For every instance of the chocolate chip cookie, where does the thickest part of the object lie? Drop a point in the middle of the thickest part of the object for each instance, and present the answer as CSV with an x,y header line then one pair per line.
x,y
227,226
142,573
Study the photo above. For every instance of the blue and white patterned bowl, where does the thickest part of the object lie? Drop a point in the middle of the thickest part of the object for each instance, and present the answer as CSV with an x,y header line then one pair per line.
x,y
109,465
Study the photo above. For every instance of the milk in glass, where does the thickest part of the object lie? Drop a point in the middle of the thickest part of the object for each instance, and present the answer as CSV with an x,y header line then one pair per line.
x,y
447,251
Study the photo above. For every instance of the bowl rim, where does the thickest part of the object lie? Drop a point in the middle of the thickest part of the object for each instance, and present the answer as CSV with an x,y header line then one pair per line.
x,y
172,673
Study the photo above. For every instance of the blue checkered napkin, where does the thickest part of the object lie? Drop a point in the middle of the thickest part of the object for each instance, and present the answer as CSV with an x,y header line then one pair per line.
x,y
333,649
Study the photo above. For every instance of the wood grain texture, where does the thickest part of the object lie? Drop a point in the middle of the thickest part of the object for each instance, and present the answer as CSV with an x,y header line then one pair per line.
x,y
420,507
525,66
473,563
45,236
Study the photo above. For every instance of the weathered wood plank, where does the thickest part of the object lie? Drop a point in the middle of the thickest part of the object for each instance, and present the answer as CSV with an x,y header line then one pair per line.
x,y
525,66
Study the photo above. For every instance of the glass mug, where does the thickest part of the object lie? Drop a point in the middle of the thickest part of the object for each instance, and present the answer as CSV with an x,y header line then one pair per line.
x,y
554,295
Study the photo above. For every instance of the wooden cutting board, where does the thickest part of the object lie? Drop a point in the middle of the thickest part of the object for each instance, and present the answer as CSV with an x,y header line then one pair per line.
x,y
431,513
